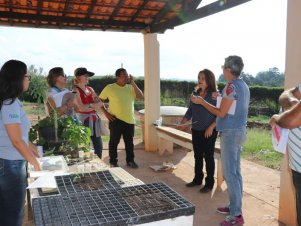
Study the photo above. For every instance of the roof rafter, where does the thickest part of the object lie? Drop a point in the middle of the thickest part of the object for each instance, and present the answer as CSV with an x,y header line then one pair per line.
x,y
91,7
202,12
169,5
76,20
194,4
116,10
139,10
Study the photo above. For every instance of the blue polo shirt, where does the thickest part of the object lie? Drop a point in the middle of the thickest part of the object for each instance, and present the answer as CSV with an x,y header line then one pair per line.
x,y
11,114
236,90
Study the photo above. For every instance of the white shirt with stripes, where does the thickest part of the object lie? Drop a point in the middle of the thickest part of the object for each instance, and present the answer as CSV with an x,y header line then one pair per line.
x,y
294,149
294,146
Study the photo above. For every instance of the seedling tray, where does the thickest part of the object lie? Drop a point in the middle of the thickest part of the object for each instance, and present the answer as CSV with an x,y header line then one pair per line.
x,y
122,206
75,183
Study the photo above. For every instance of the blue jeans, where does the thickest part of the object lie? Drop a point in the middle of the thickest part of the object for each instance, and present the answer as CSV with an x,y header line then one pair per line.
x,y
297,185
231,147
96,141
12,191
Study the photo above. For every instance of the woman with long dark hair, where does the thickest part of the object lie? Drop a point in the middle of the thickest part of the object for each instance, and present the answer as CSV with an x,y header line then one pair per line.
x,y
15,149
203,131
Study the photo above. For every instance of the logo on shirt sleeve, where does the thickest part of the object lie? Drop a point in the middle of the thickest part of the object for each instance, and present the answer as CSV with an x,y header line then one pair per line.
x,y
13,116
229,89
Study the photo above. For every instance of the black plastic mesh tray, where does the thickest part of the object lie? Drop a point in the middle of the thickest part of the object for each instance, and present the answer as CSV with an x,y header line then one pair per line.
x,y
75,183
87,208
122,206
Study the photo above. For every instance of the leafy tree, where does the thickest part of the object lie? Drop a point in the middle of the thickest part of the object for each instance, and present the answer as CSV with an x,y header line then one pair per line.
x,y
38,85
221,78
272,78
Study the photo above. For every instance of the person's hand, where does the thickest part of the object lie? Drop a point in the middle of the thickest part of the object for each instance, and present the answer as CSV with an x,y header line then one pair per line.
x,y
36,165
208,132
197,99
34,150
131,79
273,120
180,127
97,105
70,103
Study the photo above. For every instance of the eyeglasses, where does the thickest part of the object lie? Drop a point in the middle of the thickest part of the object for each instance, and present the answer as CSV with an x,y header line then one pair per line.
x,y
64,75
28,77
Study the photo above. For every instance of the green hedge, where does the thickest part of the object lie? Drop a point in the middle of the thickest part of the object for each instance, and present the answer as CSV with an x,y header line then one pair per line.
x,y
177,93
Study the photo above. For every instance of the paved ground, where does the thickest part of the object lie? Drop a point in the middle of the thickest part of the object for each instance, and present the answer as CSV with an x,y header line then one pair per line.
x,y
261,187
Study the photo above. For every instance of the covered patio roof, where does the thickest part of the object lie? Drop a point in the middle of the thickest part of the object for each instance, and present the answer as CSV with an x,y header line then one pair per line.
x,y
146,16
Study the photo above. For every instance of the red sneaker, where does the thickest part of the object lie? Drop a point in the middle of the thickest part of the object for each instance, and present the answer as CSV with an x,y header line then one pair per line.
x,y
233,221
223,210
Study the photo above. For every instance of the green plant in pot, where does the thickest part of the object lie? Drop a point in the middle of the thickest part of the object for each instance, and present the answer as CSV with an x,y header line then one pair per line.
x,y
76,137
46,132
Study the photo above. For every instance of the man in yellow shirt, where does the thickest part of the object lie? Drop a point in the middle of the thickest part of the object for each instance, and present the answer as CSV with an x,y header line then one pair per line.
x,y
121,96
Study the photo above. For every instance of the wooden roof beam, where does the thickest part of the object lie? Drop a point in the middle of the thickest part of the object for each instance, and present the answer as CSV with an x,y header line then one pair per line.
x,y
87,21
39,9
139,10
116,10
194,4
90,10
202,12
164,11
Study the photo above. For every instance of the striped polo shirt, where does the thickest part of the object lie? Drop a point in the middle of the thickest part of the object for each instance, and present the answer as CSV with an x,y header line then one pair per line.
x,y
294,149
294,146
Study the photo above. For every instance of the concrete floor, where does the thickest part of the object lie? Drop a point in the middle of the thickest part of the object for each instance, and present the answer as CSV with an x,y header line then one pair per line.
x,y
261,187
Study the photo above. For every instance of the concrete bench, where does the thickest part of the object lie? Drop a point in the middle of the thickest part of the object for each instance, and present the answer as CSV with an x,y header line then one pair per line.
x,y
169,136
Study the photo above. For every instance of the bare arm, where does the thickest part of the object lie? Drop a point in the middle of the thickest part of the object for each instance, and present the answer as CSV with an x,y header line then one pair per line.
x,y
289,119
51,106
289,98
138,92
220,112
210,129
80,106
14,134
106,112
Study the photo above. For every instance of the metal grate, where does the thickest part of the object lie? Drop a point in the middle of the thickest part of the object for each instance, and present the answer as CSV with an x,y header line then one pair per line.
x,y
75,183
122,206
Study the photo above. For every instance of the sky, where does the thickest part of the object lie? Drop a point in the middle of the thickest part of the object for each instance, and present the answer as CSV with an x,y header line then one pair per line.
x,y
256,31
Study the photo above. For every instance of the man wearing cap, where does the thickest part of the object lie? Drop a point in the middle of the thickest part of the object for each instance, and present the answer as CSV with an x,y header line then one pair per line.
x,y
88,103
121,96
291,119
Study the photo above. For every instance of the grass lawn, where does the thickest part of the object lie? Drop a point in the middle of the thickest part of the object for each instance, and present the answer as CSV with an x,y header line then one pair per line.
x,y
258,148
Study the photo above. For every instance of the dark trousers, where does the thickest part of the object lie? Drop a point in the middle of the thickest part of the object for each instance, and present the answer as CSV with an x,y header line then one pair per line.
x,y
96,141
204,148
118,128
297,185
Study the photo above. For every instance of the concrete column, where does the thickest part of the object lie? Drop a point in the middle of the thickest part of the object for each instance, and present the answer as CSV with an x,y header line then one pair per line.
x,y
287,210
151,90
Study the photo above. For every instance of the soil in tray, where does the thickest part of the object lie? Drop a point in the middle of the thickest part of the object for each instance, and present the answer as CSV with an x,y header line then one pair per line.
x,y
150,203
87,182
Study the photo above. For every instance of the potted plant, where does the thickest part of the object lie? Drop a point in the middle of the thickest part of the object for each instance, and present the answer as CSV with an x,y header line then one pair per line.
x,y
75,137
47,132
